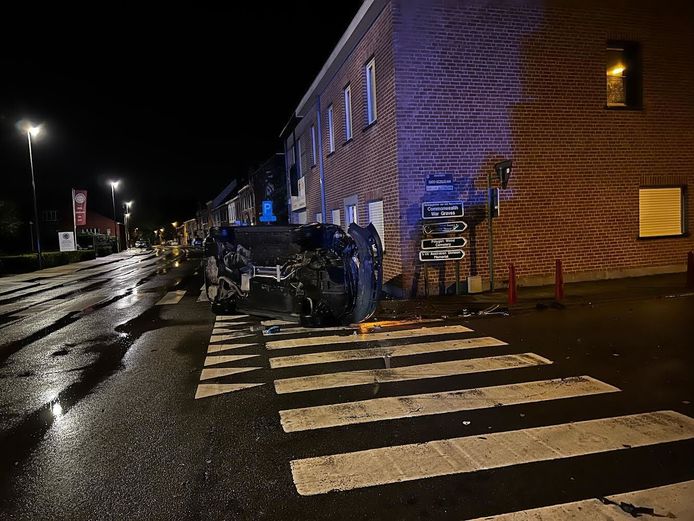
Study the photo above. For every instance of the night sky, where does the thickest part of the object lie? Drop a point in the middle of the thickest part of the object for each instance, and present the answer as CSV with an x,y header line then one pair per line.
x,y
174,103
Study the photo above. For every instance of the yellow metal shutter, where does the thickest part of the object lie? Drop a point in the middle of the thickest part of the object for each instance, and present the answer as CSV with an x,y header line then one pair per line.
x,y
660,212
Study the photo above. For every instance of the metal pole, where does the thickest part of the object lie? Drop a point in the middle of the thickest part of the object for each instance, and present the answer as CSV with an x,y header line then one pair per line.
x,y
491,231
115,223
36,209
457,278
74,219
127,237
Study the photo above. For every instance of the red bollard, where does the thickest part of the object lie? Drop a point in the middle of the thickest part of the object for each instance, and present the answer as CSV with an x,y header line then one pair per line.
x,y
690,270
558,283
512,293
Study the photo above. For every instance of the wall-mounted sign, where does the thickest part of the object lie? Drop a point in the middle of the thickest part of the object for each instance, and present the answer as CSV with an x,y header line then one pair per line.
x,y
442,209
66,241
439,183
441,228
440,255
444,243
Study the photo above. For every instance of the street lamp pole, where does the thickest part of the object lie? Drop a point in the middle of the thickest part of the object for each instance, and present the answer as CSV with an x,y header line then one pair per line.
x,y
34,131
127,218
115,223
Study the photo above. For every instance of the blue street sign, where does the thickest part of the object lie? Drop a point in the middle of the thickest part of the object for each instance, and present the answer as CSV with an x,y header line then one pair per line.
x,y
267,216
439,183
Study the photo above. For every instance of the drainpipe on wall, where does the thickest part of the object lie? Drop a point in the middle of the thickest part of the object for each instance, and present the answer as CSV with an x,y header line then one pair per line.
x,y
289,183
321,168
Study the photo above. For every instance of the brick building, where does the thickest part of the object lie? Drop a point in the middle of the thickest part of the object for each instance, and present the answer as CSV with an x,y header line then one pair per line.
x,y
591,100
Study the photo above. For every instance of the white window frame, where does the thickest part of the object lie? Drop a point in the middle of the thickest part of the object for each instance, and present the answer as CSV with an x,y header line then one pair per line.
x,y
319,217
371,112
347,94
331,131
351,211
313,145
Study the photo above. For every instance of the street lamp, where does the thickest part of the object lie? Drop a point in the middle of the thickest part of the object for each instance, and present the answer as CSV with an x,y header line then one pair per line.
x,y
127,218
114,185
33,131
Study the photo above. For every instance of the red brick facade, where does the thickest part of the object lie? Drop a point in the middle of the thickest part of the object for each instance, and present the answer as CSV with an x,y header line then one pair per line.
x,y
464,84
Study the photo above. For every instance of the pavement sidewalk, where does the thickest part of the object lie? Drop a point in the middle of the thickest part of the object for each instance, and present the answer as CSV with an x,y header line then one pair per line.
x,y
541,297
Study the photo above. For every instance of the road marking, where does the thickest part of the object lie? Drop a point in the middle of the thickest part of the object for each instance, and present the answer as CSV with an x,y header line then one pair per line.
x,y
365,327
202,288
202,297
226,318
396,464
295,330
222,329
380,409
216,348
380,352
223,337
369,337
668,502
208,374
214,360
205,390
410,372
172,297
268,323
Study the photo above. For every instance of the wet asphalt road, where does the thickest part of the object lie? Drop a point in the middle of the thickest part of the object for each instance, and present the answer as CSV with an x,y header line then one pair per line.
x,y
130,441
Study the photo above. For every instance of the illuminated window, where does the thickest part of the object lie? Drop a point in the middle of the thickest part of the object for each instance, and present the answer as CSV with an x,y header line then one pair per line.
x,y
348,113
371,91
331,130
336,217
623,75
661,211
351,214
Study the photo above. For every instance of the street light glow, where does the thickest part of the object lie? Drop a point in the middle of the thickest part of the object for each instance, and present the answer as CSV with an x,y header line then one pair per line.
x,y
174,224
128,204
114,184
27,127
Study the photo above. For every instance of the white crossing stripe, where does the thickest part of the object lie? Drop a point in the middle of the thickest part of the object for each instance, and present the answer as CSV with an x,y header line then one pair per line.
x,y
208,374
379,409
396,464
205,390
227,318
380,352
268,323
223,337
202,297
172,297
230,328
668,502
295,330
223,359
369,337
202,288
216,348
410,372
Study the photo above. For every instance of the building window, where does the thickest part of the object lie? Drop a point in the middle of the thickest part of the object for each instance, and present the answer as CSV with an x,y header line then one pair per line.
x,y
661,212
351,214
623,73
313,145
319,217
298,157
371,91
336,217
50,216
331,130
376,218
348,113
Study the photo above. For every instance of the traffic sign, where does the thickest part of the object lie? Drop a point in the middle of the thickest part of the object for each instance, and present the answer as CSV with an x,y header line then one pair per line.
x,y
442,209
443,243
440,255
448,227
439,183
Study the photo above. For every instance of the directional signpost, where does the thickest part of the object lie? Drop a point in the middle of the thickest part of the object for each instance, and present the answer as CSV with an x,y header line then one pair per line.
x,y
441,228
440,255
442,209
441,243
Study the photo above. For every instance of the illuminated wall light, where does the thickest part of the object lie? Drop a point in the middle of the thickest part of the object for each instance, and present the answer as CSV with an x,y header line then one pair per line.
x,y
616,71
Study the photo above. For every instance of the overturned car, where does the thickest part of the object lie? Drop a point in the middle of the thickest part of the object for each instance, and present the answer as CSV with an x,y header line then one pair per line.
x,y
314,273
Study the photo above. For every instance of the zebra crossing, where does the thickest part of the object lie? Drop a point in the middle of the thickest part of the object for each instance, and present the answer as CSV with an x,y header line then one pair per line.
x,y
226,327
352,470
303,361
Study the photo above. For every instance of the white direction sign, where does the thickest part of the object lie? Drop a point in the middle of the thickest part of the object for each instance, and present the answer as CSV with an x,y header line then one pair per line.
x,y
439,243
441,228
442,209
440,255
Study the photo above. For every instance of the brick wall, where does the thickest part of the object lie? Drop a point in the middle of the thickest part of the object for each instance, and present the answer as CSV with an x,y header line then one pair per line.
x,y
481,81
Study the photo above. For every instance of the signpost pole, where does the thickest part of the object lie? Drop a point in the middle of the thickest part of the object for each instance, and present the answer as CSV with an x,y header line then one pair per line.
x,y
491,236
457,278
426,280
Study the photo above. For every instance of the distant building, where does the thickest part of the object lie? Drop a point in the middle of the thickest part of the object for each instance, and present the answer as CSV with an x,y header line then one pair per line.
x,y
591,100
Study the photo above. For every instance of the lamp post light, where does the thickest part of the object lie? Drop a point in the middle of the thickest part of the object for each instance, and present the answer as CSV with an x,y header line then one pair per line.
x,y
128,204
33,131
114,185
